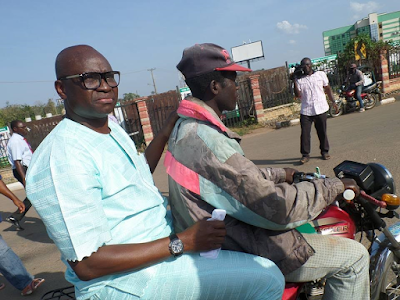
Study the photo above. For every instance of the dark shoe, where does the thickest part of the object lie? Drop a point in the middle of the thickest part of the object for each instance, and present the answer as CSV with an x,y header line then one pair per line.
x,y
15,222
304,160
326,156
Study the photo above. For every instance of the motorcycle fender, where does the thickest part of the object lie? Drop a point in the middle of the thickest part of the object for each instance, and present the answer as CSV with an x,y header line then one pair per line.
x,y
379,254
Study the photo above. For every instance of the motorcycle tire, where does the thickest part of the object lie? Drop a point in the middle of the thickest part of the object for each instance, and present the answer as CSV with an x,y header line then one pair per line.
x,y
370,101
391,279
335,114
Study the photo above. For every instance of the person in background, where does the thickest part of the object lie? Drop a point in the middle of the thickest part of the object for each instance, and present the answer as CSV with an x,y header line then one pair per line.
x,y
96,196
311,89
11,265
355,81
19,155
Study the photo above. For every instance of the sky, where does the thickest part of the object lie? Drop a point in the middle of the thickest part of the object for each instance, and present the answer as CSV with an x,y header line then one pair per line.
x,y
136,36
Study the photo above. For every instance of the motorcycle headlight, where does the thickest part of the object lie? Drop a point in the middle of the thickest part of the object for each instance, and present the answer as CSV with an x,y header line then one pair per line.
x,y
339,91
392,201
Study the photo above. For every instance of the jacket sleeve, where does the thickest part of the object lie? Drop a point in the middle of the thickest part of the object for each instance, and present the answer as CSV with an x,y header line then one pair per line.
x,y
360,77
277,175
260,198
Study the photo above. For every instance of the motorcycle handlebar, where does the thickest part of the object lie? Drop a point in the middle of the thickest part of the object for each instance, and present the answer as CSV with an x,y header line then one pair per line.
x,y
350,195
373,200
347,194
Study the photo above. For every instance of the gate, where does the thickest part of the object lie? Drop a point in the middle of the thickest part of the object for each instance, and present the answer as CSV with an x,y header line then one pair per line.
x,y
394,63
159,107
128,117
245,105
275,88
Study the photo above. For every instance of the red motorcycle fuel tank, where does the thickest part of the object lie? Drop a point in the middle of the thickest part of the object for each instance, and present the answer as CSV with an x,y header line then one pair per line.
x,y
335,221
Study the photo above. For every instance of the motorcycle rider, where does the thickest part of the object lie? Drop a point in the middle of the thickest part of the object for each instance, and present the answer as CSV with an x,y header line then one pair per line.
x,y
355,81
207,169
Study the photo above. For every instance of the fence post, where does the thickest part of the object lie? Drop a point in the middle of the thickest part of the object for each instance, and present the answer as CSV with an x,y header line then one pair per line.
x,y
145,121
258,105
384,70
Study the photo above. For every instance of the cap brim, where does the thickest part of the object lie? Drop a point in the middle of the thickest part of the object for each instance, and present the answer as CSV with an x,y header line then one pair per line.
x,y
234,67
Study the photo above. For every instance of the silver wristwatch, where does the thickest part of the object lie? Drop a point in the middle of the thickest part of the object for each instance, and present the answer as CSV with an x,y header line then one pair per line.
x,y
175,245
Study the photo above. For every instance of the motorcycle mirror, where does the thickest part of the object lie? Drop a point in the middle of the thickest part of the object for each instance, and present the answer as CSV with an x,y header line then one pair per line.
x,y
392,201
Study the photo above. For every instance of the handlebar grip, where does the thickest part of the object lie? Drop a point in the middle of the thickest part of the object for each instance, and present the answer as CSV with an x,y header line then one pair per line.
x,y
373,200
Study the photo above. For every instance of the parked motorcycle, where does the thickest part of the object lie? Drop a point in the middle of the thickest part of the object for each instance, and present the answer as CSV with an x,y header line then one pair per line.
x,y
363,214
347,101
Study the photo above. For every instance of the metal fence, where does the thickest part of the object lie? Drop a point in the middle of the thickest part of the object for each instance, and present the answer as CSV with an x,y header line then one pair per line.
x,y
394,63
245,106
275,87
4,137
159,108
39,129
127,115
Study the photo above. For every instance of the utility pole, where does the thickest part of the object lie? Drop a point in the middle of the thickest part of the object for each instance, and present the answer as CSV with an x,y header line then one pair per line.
x,y
152,77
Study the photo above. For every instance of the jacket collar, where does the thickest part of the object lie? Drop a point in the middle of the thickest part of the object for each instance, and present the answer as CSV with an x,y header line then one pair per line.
x,y
194,108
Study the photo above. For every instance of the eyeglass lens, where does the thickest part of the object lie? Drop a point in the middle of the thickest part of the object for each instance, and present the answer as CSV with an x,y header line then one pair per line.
x,y
93,80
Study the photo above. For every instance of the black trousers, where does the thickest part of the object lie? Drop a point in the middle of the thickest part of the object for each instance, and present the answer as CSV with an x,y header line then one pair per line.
x,y
17,215
305,139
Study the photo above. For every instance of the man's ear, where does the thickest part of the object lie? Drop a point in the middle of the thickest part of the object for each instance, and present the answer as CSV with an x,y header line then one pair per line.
x,y
215,87
58,84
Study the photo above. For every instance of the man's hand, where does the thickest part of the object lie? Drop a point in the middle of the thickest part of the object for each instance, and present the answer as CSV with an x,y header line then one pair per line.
x,y
203,236
334,105
289,174
21,206
350,184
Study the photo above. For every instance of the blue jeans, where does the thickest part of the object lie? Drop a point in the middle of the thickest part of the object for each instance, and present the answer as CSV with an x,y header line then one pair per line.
x,y
12,268
358,93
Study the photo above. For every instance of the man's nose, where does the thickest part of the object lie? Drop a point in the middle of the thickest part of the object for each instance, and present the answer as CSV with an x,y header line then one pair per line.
x,y
104,86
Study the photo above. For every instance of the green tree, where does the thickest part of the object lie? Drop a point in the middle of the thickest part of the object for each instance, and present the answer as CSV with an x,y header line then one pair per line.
x,y
373,49
129,97
50,107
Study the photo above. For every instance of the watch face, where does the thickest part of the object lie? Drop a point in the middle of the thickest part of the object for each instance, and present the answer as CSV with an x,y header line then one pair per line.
x,y
176,247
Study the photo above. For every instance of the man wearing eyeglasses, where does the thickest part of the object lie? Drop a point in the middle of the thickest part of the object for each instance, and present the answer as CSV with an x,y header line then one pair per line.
x,y
97,198
19,155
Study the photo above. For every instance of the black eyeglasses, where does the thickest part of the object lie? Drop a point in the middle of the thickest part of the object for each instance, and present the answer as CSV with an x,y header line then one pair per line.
x,y
92,80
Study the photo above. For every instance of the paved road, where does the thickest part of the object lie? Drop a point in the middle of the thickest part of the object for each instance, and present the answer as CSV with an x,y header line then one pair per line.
x,y
372,136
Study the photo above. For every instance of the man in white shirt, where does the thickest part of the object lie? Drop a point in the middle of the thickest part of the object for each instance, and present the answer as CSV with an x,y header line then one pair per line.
x,y
311,88
19,155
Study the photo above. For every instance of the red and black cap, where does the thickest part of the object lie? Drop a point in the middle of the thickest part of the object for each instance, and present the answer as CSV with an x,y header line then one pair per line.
x,y
205,58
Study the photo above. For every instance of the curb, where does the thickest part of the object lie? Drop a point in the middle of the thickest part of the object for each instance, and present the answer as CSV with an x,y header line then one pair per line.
x,y
15,186
388,100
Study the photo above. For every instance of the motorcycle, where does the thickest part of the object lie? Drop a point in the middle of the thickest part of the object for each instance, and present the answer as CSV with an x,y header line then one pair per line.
x,y
347,101
362,214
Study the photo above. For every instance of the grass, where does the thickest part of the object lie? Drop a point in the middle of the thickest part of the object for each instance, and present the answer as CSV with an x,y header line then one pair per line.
x,y
243,130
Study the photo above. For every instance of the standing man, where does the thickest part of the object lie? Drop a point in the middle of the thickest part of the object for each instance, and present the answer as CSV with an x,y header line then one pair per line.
x,y
207,169
96,196
19,155
11,265
311,88
355,81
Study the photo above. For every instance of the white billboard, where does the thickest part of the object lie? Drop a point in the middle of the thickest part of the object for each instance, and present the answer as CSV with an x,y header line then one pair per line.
x,y
247,51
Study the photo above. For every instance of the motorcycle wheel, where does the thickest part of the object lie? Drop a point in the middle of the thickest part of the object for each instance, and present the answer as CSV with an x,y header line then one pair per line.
x,y
391,279
335,114
370,101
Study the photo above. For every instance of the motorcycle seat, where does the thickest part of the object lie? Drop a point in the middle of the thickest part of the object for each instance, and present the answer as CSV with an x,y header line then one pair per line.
x,y
370,87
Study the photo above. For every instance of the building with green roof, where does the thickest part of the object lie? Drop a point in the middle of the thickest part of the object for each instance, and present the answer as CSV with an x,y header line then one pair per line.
x,y
384,27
